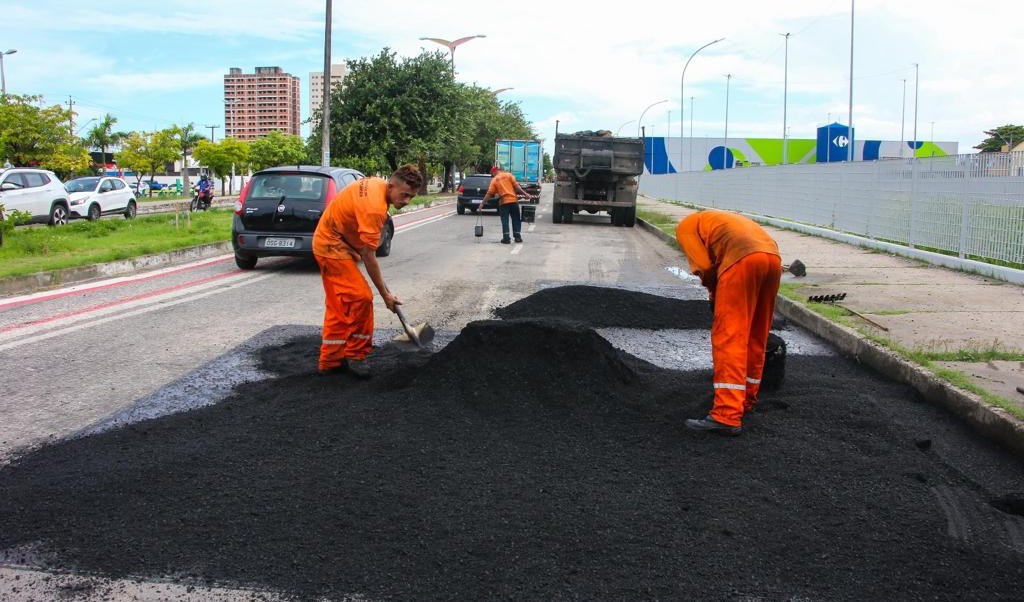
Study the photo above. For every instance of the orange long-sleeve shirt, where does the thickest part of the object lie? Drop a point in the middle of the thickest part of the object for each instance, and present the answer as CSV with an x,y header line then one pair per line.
x,y
715,240
353,219
503,185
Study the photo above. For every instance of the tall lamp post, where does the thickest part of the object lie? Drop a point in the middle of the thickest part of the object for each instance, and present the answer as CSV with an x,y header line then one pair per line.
x,y
452,45
641,120
916,81
682,80
3,77
623,125
850,154
785,90
725,144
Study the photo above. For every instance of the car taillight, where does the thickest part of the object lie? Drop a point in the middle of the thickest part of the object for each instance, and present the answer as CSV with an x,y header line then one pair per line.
x,y
331,191
462,189
240,201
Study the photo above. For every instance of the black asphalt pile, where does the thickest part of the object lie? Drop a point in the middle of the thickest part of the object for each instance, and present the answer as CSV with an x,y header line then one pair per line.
x,y
483,472
602,307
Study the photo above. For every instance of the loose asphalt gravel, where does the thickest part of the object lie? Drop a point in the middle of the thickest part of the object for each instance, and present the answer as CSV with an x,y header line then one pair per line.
x,y
530,460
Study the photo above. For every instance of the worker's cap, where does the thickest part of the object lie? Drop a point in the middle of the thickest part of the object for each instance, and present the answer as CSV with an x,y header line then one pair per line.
x,y
494,169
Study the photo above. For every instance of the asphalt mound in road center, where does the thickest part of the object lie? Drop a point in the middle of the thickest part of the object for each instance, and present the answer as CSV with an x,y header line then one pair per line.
x,y
603,307
528,460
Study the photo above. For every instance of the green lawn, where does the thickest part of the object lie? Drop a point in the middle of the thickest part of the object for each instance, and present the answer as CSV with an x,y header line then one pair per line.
x,y
29,250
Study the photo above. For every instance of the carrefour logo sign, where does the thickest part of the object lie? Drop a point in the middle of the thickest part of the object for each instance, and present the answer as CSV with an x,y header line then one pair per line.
x,y
841,141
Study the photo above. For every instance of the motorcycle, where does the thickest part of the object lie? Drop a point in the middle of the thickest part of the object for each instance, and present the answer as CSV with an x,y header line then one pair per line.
x,y
201,200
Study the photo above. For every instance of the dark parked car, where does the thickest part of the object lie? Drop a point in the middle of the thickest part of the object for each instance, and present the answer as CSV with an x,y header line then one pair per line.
x,y
472,191
279,208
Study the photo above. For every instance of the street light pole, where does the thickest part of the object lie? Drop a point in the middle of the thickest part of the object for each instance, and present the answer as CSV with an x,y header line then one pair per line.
x,y
325,108
691,136
851,153
452,45
725,144
641,121
3,76
916,81
785,90
623,125
682,80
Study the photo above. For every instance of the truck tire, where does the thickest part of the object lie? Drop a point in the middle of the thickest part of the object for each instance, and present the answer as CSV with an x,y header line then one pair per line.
x,y
567,214
616,213
629,217
556,213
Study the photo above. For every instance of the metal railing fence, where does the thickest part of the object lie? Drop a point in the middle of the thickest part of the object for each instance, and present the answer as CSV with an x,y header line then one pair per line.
x,y
968,206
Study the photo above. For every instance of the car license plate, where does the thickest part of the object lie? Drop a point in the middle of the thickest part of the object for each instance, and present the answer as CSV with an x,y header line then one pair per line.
x,y
279,242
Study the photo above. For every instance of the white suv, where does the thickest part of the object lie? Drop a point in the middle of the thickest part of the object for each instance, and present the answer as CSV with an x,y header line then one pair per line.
x,y
36,191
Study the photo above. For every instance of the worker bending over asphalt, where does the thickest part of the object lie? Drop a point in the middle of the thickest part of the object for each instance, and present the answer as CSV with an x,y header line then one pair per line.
x,y
738,262
504,186
349,231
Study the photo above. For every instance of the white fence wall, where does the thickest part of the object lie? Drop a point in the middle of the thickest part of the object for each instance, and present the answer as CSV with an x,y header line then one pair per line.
x,y
970,206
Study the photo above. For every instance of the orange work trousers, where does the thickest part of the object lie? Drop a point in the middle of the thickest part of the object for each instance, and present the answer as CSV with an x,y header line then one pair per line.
x,y
744,304
348,313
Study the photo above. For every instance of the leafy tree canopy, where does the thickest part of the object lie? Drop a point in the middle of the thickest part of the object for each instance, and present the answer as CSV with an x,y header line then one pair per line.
x,y
1004,135
31,134
275,149
147,153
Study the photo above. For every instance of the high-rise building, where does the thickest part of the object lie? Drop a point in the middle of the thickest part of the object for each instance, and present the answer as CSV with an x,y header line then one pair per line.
x,y
316,86
257,103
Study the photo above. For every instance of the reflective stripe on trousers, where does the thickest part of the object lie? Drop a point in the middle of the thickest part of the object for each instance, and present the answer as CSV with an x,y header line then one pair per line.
x,y
744,304
348,313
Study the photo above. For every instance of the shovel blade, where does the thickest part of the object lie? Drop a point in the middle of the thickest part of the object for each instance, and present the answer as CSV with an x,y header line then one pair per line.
x,y
421,334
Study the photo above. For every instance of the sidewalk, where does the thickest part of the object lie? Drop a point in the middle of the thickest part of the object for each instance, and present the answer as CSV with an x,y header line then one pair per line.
x,y
914,307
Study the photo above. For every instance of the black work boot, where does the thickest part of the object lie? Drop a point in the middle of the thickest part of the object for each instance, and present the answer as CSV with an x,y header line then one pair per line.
x,y
359,369
505,240
710,425
518,237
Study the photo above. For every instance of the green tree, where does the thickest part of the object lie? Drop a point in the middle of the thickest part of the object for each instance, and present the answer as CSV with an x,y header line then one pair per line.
x,y
221,157
147,153
31,134
277,148
102,136
1004,135
186,138
393,110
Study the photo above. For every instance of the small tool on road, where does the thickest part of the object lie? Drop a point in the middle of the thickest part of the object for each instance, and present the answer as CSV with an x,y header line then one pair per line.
x,y
420,334
835,299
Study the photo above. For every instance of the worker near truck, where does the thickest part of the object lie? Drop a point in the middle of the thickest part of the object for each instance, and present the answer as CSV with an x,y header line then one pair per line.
x,y
739,263
349,231
504,186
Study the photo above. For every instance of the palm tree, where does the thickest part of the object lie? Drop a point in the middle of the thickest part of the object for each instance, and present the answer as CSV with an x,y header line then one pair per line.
x,y
102,135
187,138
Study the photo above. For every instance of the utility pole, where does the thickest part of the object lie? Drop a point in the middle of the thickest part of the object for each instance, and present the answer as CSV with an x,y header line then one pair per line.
x,y
71,112
785,89
212,127
325,109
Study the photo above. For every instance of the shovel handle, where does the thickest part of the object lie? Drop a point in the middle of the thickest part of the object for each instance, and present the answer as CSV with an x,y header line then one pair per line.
x,y
405,326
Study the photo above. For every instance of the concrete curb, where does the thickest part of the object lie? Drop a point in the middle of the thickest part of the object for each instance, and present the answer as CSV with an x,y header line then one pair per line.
x,y
990,421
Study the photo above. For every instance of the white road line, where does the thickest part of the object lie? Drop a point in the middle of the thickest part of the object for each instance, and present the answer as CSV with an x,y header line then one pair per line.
x,y
76,322
516,250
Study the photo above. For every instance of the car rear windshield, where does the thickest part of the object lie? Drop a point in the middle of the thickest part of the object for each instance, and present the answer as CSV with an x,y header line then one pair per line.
x,y
310,187
477,181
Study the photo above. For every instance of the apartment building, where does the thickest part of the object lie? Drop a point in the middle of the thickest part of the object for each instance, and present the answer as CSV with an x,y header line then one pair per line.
x,y
316,85
257,103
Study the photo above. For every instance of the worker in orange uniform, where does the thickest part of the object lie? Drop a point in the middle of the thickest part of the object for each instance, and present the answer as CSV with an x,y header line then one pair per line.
x,y
739,263
349,231
504,186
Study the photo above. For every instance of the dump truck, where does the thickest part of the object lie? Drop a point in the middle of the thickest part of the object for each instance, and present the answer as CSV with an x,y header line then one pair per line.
x,y
595,171
523,159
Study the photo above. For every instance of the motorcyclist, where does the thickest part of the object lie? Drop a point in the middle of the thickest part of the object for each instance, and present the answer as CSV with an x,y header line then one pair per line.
x,y
204,190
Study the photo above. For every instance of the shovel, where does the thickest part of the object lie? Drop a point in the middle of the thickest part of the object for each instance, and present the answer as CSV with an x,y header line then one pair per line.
x,y
420,334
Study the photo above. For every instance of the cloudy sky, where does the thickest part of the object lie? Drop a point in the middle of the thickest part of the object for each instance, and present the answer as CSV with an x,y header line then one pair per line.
x,y
154,64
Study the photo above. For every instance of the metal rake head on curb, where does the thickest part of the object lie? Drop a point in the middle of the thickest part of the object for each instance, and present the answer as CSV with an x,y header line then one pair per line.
x,y
834,299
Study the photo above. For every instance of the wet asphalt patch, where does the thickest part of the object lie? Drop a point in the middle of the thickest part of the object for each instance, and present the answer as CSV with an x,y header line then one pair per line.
x,y
528,459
